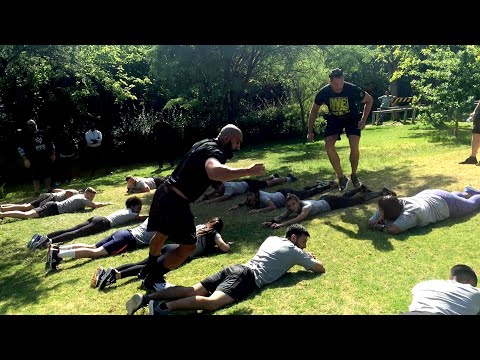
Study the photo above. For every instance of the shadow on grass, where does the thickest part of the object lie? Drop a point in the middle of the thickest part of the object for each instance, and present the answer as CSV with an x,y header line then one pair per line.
x,y
442,136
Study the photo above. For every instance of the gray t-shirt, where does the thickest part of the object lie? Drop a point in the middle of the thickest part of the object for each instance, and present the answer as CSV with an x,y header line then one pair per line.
x,y
205,243
385,99
121,217
62,195
275,257
235,188
445,297
141,182
141,235
277,198
73,203
315,207
419,210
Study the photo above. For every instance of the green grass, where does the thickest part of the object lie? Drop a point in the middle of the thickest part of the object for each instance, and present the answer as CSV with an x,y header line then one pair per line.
x,y
367,272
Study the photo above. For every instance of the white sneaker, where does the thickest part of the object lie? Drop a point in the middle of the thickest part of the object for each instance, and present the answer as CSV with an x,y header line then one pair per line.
x,y
134,304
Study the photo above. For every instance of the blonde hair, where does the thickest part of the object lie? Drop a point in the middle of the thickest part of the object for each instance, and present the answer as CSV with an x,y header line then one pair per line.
x,y
91,190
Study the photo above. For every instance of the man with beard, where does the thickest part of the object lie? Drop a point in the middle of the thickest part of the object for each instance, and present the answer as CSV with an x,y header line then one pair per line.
x,y
170,214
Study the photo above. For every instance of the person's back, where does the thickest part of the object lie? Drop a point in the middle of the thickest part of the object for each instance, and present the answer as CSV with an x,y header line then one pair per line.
x,y
446,297
456,296
277,198
73,203
141,235
275,257
422,209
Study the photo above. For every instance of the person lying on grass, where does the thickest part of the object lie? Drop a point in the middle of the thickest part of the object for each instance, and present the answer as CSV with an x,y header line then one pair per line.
x,y
209,241
224,190
55,195
396,215
301,209
93,225
262,201
456,296
234,283
51,208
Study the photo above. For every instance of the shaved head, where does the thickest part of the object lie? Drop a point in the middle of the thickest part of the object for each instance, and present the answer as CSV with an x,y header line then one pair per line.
x,y
230,138
229,130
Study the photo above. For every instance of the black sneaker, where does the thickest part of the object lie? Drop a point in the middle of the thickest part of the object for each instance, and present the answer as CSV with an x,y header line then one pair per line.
x,y
365,189
292,178
136,302
343,183
95,280
32,241
470,160
143,273
43,241
355,182
52,258
157,308
386,192
276,176
107,279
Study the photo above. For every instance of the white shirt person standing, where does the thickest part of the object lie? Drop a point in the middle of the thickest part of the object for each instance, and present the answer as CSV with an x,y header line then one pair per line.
x,y
94,150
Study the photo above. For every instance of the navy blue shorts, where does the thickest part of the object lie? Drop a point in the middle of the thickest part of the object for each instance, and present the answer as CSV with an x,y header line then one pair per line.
x,y
119,242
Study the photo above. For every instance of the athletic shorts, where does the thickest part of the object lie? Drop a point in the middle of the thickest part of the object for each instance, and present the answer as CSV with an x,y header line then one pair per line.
x,y
237,281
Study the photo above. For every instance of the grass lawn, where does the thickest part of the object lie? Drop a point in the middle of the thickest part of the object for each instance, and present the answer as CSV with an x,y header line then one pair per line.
x,y
367,272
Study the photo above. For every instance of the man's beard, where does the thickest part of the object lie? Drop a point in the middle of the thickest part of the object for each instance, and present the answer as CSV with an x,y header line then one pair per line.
x,y
228,151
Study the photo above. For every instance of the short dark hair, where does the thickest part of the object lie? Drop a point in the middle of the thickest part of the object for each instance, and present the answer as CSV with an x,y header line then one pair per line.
x,y
391,206
464,274
296,229
129,177
335,73
133,201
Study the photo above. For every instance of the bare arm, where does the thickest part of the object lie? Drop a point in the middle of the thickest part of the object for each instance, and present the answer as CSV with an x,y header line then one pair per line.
x,y
142,217
270,206
222,245
96,205
208,195
218,199
220,172
368,101
311,121
300,217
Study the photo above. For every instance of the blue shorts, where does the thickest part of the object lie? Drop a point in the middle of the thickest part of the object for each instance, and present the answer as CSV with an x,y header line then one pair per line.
x,y
119,242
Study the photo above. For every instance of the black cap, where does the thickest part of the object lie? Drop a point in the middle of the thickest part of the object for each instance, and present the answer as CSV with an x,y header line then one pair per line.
x,y
336,73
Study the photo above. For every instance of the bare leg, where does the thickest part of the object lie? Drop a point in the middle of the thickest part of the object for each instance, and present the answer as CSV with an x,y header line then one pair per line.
x,y
13,207
82,253
47,182
475,144
36,186
19,214
77,246
280,180
333,155
354,141
215,301
176,258
156,243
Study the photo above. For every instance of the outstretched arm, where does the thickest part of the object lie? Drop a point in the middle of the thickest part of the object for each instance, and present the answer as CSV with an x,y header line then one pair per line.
x,y
300,217
96,205
270,206
220,172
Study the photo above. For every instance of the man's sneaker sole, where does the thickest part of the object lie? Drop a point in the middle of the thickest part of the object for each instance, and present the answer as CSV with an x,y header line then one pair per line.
x,y
32,241
95,280
134,304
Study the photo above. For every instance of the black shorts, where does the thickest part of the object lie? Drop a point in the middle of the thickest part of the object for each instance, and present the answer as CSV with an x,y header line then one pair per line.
x,y
170,215
49,208
42,199
237,281
476,124
336,125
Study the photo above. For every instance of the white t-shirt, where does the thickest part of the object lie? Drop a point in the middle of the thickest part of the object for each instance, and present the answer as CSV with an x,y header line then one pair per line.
x,y
446,297
121,217
93,135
